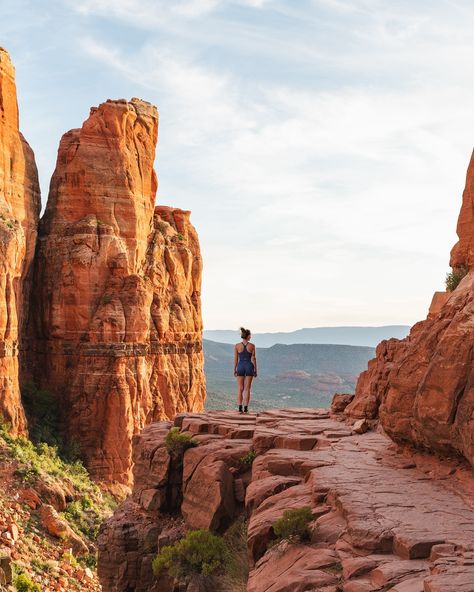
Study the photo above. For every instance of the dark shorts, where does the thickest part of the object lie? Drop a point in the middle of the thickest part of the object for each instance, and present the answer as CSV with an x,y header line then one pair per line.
x,y
245,369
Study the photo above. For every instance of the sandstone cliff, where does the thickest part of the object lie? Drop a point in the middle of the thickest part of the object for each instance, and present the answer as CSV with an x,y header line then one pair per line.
x,y
422,387
364,535
117,321
19,211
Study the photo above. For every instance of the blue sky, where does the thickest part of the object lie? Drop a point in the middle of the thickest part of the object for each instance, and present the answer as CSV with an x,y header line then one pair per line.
x,y
320,144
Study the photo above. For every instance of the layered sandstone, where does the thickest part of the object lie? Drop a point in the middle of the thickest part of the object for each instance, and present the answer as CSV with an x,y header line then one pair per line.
x,y
422,387
19,212
117,320
366,535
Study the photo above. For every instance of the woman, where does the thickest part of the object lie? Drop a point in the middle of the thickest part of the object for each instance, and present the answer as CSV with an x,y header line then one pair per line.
x,y
245,368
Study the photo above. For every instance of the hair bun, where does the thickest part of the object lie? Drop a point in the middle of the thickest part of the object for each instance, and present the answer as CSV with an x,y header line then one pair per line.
x,y
244,333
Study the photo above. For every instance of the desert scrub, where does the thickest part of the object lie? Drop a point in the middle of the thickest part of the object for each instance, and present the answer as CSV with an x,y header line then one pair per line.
x,y
454,277
23,583
293,525
84,516
247,459
42,461
236,574
199,553
178,442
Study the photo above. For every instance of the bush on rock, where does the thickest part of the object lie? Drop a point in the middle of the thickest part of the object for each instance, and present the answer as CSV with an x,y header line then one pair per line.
x,y
199,553
293,525
454,278
178,442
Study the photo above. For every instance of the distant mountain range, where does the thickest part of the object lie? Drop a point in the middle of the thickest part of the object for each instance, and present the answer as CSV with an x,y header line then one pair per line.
x,y
363,336
299,375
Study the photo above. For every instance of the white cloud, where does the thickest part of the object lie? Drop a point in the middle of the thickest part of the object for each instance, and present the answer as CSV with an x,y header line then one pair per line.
x,y
310,192
156,12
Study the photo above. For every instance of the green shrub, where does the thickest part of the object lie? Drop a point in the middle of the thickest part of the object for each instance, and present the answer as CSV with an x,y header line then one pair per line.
x,y
454,277
199,552
248,458
180,236
42,461
23,583
177,442
293,525
84,516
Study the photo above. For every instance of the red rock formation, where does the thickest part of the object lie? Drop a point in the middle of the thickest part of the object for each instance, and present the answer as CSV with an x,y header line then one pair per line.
x,y
19,211
117,311
366,535
462,254
422,387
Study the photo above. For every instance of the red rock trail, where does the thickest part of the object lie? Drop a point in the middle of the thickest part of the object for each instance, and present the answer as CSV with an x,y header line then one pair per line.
x,y
385,518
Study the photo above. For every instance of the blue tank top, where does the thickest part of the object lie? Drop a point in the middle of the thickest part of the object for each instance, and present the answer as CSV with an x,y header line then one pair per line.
x,y
245,355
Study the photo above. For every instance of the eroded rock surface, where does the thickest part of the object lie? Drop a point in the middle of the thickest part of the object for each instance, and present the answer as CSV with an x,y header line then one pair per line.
x,y
116,323
384,517
19,212
422,387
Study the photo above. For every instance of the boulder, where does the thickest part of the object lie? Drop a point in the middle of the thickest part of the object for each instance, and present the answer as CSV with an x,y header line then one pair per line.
x,y
59,528
340,401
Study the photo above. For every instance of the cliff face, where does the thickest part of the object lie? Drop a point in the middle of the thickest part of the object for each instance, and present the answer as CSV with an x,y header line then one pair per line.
x,y
19,211
117,335
422,387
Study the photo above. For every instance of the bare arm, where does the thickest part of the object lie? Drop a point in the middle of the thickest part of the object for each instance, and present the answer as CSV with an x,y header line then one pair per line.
x,y
254,359
236,360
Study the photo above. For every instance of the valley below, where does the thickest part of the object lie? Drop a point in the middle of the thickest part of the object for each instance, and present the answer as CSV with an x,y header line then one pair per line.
x,y
299,375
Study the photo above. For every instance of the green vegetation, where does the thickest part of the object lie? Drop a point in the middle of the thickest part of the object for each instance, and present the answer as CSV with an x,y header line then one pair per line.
x,y
23,583
178,442
180,236
43,459
248,458
199,553
237,567
293,525
455,276
43,462
84,517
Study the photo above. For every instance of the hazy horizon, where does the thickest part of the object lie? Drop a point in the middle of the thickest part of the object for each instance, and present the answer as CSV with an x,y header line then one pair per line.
x,y
321,145
365,336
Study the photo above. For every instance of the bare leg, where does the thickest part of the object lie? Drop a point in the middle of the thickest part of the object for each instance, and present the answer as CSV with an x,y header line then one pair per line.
x,y
240,389
247,387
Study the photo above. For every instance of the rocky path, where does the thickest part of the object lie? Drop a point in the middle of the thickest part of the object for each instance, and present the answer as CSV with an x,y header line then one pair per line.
x,y
384,518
